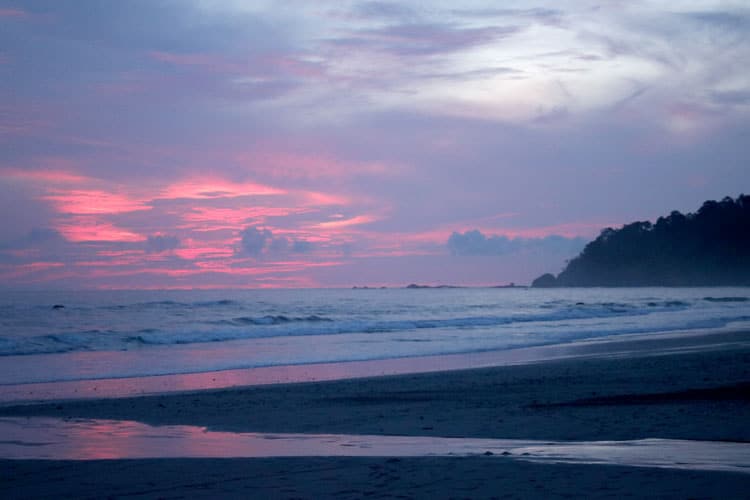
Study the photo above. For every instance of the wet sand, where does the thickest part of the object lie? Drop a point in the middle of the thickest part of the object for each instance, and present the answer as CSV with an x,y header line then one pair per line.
x,y
472,477
686,394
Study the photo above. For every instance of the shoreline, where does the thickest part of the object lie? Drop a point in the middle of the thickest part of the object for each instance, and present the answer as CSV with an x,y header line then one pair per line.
x,y
666,389
630,345
696,391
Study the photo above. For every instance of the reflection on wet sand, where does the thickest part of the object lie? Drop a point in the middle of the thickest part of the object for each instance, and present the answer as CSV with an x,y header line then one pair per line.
x,y
49,438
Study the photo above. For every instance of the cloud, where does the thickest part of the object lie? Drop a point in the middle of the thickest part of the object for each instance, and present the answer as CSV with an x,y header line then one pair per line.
x,y
739,20
476,243
12,12
384,10
158,243
36,238
43,235
417,39
254,241
731,97
247,134
257,242
302,246
38,245
539,14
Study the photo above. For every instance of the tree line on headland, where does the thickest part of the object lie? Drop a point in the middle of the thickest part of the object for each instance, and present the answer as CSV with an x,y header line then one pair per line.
x,y
710,247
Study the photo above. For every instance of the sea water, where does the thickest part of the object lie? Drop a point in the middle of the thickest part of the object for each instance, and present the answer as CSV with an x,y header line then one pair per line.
x,y
90,335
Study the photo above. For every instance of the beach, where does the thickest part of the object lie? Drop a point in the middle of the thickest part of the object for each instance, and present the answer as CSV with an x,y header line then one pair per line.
x,y
374,249
699,392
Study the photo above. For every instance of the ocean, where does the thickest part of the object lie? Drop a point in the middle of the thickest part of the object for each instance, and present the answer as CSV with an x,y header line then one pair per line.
x,y
90,335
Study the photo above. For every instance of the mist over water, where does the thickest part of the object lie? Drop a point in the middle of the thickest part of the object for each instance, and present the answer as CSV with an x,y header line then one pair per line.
x,y
136,333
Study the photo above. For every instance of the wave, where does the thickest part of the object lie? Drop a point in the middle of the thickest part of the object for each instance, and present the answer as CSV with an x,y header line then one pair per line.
x,y
172,304
268,326
279,319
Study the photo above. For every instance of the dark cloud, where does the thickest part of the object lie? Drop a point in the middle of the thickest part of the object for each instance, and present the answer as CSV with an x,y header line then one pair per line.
x,y
541,15
739,20
278,244
44,244
158,243
302,246
474,242
425,38
43,235
36,238
21,211
257,242
149,24
735,97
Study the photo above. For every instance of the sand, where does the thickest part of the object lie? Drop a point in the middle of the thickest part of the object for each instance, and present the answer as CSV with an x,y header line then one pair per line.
x,y
701,395
475,477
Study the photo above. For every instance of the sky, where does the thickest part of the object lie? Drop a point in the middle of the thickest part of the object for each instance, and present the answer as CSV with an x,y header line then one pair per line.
x,y
263,144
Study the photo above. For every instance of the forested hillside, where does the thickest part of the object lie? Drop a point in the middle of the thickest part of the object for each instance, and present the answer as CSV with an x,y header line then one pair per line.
x,y
708,247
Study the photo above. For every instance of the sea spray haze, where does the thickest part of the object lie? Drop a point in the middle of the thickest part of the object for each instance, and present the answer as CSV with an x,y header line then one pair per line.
x,y
131,333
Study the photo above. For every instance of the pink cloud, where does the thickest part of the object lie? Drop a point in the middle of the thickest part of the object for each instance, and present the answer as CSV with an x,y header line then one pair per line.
x,y
210,218
297,67
195,252
92,202
344,223
11,12
88,228
16,121
118,253
44,176
229,268
274,160
8,272
109,262
323,199
211,188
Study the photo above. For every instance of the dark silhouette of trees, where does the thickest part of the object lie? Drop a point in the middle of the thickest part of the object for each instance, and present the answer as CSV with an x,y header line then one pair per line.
x,y
709,247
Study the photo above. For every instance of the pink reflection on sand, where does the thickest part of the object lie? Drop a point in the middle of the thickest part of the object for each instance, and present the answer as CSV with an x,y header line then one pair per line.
x,y
49,438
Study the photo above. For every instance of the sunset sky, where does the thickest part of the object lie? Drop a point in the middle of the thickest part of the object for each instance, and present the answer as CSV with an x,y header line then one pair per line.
x,y
220,143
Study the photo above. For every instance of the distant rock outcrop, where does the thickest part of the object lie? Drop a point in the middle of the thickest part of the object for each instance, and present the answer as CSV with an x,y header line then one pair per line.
x,y
709,247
